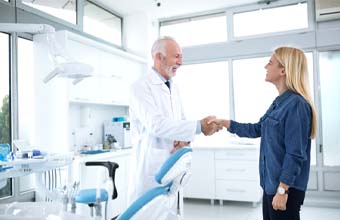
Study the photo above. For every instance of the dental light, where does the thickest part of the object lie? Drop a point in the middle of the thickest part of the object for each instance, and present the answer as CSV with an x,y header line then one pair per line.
x,y
64,66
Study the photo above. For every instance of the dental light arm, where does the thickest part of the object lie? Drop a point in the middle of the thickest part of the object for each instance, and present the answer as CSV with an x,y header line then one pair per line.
x,y
27,28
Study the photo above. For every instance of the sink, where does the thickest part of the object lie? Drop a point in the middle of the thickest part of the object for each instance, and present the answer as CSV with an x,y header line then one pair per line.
x,y
37,211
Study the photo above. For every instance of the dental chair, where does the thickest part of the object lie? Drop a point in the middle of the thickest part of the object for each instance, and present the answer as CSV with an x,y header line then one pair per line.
x,y
90,197
158,202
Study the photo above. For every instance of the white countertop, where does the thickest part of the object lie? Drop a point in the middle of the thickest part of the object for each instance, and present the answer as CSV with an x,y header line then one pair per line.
x,y
224,141
111,154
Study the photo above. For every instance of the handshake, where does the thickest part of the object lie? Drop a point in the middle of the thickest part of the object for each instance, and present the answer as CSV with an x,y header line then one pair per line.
x,y
211,124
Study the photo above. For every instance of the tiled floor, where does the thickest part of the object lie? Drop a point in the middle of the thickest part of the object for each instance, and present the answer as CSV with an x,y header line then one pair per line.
x,y
202,210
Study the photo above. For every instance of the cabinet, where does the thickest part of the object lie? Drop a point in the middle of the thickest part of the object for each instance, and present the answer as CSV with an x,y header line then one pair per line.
x,y
201,184
88,177
225,173
114,70
236,174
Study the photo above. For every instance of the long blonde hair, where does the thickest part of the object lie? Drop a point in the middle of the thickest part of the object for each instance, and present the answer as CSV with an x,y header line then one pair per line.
x,y
295,63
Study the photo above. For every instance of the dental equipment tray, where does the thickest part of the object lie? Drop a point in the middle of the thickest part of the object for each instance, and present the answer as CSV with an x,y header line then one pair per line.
x,y
94,151
21,167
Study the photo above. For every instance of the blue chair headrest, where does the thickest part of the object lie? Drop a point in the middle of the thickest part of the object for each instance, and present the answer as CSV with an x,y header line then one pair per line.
x,y
168,164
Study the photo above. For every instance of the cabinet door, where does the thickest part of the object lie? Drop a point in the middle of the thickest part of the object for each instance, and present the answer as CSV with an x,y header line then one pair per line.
x,y
87,90
236,170
202,181
114,90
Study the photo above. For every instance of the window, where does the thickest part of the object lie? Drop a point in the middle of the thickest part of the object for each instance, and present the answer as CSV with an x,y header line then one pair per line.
x,y
271,20
203,30
251,91
5,120
65,10
204,90
102,24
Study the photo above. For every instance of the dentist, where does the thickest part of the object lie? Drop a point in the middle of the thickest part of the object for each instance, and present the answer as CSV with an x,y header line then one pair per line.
x,y
158,125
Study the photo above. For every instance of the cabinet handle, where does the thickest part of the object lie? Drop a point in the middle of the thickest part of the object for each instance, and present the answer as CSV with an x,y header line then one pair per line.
x,y
235,190
235,170
228,155
81,99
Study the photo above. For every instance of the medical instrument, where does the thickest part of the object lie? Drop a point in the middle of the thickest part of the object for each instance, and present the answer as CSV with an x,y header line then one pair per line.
x,y
119,130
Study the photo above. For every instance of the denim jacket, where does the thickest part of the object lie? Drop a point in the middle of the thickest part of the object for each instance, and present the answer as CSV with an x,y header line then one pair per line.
x,y
285,142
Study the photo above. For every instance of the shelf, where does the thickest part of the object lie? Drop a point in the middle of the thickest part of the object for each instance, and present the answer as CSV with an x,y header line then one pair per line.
x,y
22,167
89,102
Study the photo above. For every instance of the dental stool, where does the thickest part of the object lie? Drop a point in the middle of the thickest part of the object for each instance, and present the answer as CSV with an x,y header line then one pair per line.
x,y
158,202
89,197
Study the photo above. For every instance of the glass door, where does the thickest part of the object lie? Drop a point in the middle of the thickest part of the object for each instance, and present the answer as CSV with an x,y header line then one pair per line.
x,y
330,119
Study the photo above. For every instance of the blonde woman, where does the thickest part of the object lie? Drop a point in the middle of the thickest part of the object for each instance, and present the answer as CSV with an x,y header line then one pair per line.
x,y
286,130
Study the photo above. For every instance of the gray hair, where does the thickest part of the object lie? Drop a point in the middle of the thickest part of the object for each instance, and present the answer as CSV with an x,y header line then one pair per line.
x,y
159,45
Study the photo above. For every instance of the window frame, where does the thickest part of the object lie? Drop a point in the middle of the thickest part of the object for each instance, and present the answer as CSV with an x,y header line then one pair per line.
x,y
195,17
110,12
310,25
50,17
63,24
229,12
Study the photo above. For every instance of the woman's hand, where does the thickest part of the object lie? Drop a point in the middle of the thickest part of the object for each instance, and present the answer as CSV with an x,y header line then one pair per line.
x,y
279,202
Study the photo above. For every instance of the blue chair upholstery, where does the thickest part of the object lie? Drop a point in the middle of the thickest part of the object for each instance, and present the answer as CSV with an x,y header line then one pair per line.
x,y
164,177
143,200
88,196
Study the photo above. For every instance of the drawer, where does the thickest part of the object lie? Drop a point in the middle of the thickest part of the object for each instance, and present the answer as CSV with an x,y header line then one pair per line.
x,y
331,181
237,154
236,170
238,190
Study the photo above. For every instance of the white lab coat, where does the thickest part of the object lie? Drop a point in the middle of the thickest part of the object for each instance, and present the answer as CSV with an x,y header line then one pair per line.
x,y
157,120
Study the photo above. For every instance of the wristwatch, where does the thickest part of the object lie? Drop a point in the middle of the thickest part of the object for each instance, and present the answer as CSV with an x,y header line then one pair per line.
x,y
280,190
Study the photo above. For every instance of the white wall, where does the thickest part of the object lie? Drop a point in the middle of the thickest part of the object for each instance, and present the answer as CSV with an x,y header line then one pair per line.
x,y
58,113
140,32
50,101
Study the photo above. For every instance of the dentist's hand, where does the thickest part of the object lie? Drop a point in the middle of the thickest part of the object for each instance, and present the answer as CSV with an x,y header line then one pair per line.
x,y
178,145
221,122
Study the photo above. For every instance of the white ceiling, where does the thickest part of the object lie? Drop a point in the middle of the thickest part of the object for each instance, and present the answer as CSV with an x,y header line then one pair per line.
x,y
169,8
